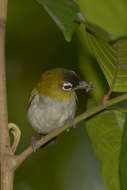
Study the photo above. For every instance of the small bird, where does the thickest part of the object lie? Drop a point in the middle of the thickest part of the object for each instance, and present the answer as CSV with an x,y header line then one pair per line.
x,y
53,101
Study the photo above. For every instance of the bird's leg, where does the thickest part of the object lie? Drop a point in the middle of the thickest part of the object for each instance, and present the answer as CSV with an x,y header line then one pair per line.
x,y
33,143
35,139
72,124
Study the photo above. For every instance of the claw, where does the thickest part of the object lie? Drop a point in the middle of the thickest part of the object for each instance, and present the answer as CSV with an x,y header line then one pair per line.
x,y
34,144
72,124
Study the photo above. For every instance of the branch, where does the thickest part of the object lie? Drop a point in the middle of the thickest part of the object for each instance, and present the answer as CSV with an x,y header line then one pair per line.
x,y
26,153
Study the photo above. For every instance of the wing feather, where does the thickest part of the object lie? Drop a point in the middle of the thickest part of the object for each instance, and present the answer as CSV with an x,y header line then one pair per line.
x,y
32,95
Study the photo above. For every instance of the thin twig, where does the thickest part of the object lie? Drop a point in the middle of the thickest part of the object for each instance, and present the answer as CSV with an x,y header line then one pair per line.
x,y
16,136
107,96
26,153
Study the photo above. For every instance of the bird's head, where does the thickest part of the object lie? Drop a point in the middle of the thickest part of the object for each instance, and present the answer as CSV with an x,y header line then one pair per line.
x,y
60,84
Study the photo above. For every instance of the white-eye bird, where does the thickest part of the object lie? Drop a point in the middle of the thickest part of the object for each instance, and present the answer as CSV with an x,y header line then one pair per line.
x,y
53,101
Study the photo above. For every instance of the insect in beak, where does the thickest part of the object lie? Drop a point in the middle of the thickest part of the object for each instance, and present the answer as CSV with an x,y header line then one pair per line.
x,y
84,85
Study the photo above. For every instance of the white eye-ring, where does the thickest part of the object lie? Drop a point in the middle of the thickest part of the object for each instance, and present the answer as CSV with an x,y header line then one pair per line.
x,y
67,86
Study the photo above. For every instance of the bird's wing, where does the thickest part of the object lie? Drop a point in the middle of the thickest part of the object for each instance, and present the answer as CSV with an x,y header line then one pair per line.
x,y
32,95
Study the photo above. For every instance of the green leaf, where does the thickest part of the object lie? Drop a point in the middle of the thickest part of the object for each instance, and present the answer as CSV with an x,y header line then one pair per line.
x,y
123,159
110,14
105,132
64,14
111,56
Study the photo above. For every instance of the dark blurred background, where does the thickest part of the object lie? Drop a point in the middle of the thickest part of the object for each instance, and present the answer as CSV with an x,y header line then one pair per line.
x,y
35,44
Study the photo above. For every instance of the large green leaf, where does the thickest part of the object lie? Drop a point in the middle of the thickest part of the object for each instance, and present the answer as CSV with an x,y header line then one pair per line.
x,y
110,14
111,56
123,159
64,14
105,132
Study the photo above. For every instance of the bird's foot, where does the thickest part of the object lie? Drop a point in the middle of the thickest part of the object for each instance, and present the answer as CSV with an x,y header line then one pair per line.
x,y
34,143
34,140
72,125
68,129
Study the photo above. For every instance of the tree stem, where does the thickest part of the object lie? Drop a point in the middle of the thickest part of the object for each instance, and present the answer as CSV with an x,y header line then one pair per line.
x,y
7,172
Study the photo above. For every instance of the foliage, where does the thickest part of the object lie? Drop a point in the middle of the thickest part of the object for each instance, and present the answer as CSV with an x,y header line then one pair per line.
x,y
64,14
105,132
111,56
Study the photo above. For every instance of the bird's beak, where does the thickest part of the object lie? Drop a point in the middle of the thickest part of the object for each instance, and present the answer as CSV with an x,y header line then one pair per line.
x,y
84,85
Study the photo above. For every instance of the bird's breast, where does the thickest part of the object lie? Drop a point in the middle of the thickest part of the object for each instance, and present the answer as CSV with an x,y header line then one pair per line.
x,y
46,114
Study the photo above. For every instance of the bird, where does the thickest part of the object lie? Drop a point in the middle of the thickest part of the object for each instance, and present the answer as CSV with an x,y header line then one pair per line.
x,y
52,102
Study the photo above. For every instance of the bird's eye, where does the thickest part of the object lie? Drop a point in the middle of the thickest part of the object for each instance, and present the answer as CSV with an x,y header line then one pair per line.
x,y
67,86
